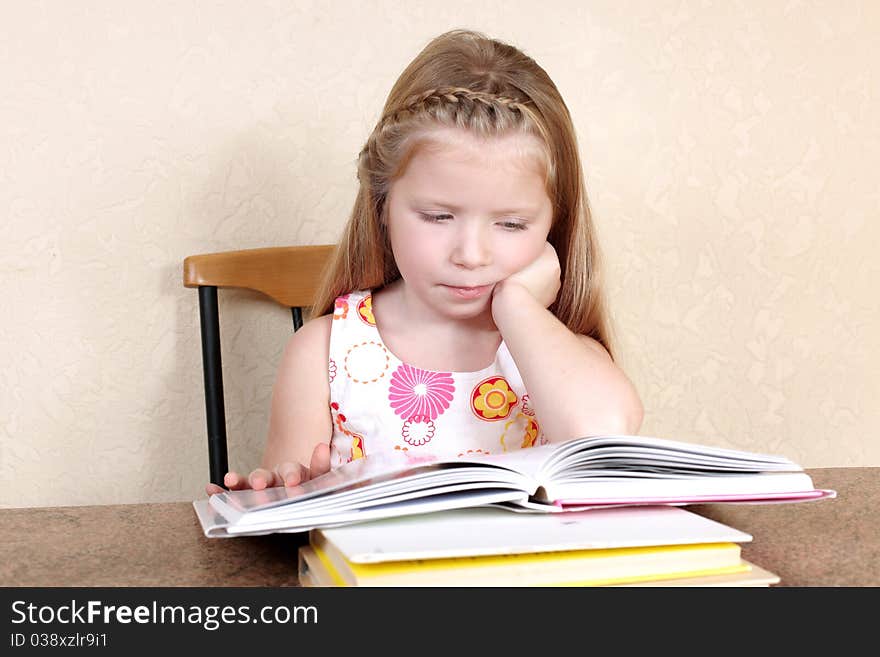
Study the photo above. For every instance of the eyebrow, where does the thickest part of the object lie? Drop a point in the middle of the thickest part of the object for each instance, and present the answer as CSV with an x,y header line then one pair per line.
x,y
455,208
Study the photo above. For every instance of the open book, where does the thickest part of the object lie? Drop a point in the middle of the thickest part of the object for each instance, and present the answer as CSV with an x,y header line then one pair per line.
x,y
581,473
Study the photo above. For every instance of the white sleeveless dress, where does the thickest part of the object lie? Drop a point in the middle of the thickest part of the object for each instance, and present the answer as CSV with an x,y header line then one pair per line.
x,y
381,405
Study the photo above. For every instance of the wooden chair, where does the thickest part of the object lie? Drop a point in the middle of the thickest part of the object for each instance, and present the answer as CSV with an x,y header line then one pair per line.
x,y
290,275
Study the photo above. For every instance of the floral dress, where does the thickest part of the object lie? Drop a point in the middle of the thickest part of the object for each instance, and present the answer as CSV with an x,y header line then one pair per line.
x,y
380,404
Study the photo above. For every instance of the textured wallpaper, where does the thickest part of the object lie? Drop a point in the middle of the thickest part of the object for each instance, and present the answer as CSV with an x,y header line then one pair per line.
x,y
731,153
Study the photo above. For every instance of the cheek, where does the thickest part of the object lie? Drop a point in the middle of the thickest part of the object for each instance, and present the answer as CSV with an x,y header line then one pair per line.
x,y
524,252
412,249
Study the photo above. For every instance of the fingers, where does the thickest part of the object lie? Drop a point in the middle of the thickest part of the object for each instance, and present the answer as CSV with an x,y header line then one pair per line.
x,y
320,462
262,478
291,473
235,481
232,480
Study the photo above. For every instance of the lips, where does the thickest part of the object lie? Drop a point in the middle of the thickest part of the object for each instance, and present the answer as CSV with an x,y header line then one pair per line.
x,y
468,292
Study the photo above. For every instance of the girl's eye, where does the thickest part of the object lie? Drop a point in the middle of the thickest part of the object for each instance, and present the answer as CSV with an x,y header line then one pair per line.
x,y
435,218
443,217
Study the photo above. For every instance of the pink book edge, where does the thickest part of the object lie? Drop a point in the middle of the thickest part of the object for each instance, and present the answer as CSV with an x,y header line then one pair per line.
x,y
742,498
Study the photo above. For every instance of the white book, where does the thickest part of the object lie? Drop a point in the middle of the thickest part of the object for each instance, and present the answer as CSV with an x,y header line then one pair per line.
x,y
489,531
583,473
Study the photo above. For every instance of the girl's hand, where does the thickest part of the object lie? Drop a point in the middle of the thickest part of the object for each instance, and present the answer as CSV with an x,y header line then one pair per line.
x,y
540,278
288,473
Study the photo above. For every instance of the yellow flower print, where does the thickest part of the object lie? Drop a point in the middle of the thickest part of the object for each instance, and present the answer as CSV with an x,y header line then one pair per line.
x,y
531,433
365,310
357,447
492,399
357,440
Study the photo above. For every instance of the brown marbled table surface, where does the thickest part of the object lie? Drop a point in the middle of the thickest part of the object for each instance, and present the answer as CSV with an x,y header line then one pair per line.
x,y
825,543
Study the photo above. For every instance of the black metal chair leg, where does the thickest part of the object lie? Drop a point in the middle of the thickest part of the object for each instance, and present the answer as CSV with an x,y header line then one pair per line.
x,y
215,410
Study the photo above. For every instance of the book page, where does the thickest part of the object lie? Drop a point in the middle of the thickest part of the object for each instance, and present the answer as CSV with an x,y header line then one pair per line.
x,y
648,455
346,515
665,490
381,475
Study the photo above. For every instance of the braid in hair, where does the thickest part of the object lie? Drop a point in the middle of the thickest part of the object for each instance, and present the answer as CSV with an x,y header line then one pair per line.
x,y
484,112
467,101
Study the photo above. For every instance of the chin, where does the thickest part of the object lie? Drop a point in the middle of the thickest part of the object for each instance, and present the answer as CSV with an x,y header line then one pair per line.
x,y
469,311
459,309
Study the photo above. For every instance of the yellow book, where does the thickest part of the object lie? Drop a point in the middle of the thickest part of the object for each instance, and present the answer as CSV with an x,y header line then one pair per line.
x,y
600,567
755,576
315,572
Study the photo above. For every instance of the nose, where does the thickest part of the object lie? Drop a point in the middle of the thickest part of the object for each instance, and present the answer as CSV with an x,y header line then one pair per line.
x,y
471,248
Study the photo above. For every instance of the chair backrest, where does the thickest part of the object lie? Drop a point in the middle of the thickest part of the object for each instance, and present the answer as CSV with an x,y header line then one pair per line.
x,y
288,274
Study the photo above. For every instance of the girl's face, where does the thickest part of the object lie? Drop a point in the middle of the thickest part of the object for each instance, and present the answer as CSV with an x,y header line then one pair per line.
x,y
466,214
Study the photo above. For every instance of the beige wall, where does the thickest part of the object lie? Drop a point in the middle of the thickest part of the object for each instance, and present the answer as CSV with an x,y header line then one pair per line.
x,y
731,152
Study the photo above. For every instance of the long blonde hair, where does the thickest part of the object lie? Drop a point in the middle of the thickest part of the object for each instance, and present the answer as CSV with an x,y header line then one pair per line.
x,y
466,80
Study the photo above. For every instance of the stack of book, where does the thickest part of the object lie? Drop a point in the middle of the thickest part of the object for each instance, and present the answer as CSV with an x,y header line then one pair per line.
x,y
597,510
627,546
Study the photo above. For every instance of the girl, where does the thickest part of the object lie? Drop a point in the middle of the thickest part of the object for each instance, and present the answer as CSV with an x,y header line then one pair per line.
x,y
463,312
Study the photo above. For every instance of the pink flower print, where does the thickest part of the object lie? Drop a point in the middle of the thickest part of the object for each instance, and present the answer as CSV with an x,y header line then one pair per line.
x,y
331,369
417,430
419,392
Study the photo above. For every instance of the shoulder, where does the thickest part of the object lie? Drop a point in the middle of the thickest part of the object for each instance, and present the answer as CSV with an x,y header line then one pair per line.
x,y
595,345
313,332
310,345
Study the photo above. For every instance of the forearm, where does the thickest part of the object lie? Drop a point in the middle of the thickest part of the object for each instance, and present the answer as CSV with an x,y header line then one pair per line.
x,y
574,386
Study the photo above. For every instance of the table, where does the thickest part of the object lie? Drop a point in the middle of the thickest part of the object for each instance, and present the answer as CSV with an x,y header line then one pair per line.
x,y
825,543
